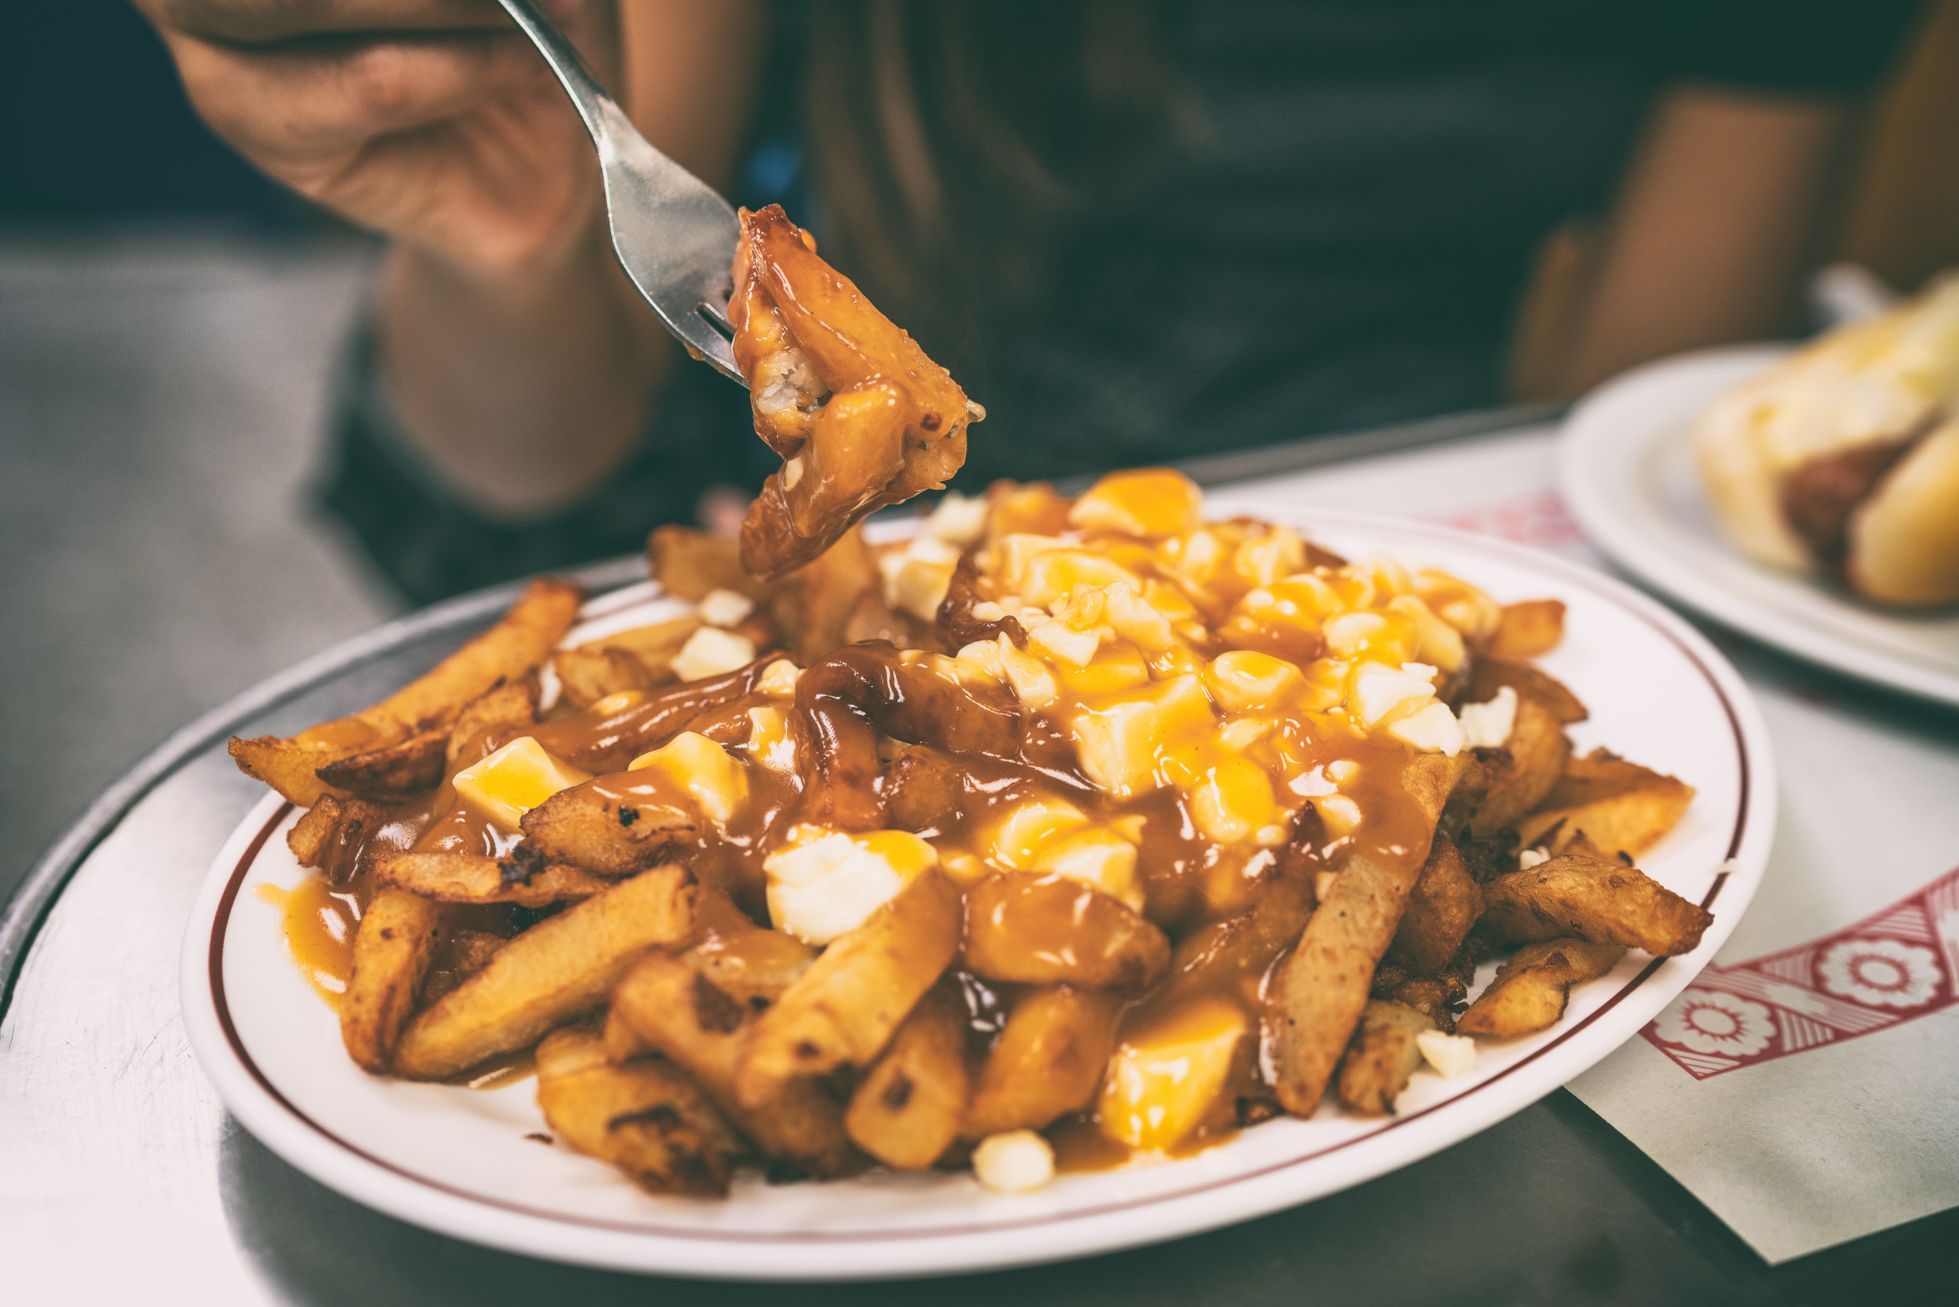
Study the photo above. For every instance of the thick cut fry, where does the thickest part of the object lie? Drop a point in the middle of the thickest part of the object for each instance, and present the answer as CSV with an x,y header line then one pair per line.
x,y
684,1015
589,675
330,835
643,1116
1530,990
813,605
1052,930
862,418
593,827
459,954
844,1009
909,1106
392,951
470,878
1489,675
490,720
1319,992
508,650
688,563
1382,1057
750,964
1621,806
559,969
1518,776
392,772
1047,1062
1441,909
1600,900
1528,629
923,789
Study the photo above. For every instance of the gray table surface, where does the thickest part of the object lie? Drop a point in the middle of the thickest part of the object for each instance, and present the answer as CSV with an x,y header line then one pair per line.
x,y
121,1175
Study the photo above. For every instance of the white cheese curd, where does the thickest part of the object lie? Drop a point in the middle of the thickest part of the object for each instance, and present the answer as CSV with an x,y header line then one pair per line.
x,y
1452,1055
711,651
1488,725
724,607
1014,1162
1529,858
823,884
958,520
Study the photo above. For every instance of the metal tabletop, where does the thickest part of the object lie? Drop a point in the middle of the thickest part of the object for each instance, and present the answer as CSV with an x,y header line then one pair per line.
x,y
121,1175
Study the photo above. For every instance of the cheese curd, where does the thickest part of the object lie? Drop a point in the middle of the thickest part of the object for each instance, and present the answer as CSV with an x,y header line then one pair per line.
x,y
822,884
513,780
711,651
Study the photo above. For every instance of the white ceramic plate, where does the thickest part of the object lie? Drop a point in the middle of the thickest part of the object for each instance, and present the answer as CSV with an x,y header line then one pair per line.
x,y
1626,468
458,1160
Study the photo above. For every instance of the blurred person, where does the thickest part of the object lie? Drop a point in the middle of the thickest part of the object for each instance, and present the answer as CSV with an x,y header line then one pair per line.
x,y
1134,231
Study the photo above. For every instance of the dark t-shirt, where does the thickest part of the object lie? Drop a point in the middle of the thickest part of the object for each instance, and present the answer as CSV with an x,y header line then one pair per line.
x,y
1336,238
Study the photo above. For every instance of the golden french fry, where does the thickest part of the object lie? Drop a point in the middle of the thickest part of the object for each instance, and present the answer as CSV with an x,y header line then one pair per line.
x,y
644,1117
392,772
1489,675
1516,778
1600,900
1381,1058
558,970
688,563
592,827
843,1010
471,878
505,652
1531,989
675,1009
1620,805
1442,908
908,1108
1051,930
1318,994
589,675
1047,1061
488,721
329,836
393,949
1528,629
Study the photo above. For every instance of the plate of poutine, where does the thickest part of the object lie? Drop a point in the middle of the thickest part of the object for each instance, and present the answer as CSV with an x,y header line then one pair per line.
x,y
1037,877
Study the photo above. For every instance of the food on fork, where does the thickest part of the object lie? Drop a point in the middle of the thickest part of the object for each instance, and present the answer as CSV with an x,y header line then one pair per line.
x,y
1061,831
861,417
1844,459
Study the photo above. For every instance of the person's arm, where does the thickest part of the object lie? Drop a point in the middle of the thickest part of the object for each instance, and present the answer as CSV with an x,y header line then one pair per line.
x,y
526,387
518,360
1717,224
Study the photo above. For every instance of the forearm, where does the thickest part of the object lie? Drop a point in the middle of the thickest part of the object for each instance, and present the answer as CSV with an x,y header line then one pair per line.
x,y
522,389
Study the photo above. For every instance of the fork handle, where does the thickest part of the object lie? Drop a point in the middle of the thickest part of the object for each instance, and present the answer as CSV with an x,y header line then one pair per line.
x,y
601,113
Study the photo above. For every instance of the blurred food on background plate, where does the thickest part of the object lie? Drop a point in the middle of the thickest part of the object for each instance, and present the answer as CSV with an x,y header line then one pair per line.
x,y
1843,460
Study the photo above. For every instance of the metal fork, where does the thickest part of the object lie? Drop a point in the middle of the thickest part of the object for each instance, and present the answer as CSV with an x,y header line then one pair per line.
x,y
674,236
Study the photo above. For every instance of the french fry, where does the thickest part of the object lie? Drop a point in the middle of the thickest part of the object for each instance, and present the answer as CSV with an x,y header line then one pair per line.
x,y
1517,777
644,1117
688,563
558,970
1528,629
923,789
589,675
843,1010
1620,805
484,722
392,772
393,948
750,964
1051,930
471,878
1442,908
1489,675
505,652
329,836
1531,989
909,1106
1318,994
1600,900
591,827
675,1009
459,954
1047,1061
1382,1057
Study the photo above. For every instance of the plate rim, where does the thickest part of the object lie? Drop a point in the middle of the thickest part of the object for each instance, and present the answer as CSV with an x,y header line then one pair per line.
x,y
1020,1240
1581,441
